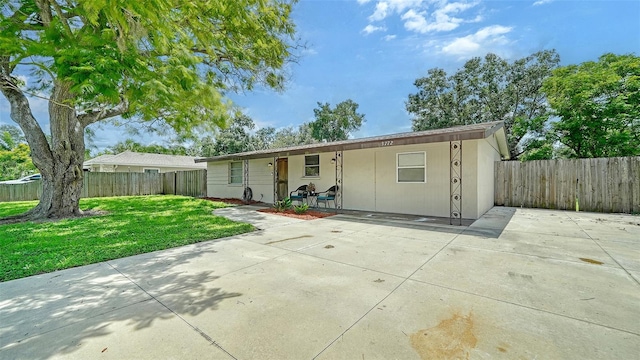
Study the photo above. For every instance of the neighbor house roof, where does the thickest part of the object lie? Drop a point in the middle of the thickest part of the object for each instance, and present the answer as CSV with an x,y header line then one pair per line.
x,y
130,158
465,132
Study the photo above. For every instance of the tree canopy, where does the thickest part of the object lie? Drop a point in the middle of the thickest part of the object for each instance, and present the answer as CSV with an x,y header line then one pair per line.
x,y
164,62
598,106
487,89
333,124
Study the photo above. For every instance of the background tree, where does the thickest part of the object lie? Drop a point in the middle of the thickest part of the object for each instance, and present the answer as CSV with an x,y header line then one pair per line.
x,y
10,137
158,61
337,123
236,138
485,90
132,145
291,136
15,155
598,105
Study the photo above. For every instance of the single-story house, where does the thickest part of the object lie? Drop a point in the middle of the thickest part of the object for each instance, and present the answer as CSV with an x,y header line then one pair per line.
x,y
444,172
130,161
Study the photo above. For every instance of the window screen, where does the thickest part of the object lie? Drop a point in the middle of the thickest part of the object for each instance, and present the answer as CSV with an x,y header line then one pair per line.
x,y
412,167
312,165
235,172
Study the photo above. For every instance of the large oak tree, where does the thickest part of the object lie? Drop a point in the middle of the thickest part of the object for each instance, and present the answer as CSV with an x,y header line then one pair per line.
x,y
164,62
487,89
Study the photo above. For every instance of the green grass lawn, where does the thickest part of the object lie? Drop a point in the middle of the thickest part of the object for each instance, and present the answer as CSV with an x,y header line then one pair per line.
x,y
131,225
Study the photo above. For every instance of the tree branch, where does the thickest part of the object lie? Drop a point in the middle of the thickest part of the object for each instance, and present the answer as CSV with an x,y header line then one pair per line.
x,y
92,116
22,115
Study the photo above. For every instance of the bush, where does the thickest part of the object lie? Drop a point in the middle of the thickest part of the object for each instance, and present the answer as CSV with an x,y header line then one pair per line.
x,y
301,209
282,205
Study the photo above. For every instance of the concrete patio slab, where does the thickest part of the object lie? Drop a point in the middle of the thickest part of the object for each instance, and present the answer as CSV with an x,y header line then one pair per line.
x,y
517,283
43,303
144,330
187,266
541,245
288,308
580,291
429,322
389,255
627,254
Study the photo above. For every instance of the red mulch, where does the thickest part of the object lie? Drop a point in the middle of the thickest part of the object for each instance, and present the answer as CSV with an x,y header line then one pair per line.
x,y
308,215
231,201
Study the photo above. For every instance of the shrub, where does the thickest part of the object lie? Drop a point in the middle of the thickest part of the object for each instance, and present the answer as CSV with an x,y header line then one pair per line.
x,y
301,209
282,205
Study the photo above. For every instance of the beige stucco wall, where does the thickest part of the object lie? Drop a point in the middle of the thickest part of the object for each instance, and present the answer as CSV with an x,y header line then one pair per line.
x,y
260,180
375,187
370,183
486,173
218,181
327,176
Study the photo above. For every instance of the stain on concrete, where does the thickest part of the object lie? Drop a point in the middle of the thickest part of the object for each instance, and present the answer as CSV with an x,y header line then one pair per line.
x,y
523,276
287,239
591,261
452,338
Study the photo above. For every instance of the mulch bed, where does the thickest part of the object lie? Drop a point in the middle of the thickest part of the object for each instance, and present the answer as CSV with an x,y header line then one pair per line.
x,y
308,215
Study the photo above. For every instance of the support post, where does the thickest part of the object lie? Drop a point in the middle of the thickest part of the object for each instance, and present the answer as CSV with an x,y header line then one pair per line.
x,y
245,175
455,182
339,167
274,172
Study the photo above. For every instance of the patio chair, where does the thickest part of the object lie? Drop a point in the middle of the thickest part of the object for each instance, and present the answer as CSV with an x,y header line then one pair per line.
x,y
326,196
299,194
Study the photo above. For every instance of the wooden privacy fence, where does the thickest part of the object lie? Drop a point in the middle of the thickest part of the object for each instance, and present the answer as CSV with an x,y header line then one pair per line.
x,y
100,184
600,185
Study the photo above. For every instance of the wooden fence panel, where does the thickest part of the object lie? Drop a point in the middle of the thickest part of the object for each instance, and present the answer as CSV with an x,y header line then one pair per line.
x,y
21,192
100,184
189,183
600,185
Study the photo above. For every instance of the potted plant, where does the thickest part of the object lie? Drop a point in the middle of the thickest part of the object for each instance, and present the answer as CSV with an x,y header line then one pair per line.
x,y
311,188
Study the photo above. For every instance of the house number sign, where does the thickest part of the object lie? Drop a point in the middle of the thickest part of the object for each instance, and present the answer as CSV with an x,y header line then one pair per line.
x,y
387,143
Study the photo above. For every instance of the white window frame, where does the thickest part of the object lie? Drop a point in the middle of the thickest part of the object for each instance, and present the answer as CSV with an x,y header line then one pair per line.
x,y
424,167
304,174
144,170
241,173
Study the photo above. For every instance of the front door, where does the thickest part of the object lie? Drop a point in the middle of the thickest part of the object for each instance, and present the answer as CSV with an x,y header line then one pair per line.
x,y
282,182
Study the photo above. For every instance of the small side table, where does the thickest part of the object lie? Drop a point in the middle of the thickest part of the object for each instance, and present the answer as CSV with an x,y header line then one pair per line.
x,y
312,198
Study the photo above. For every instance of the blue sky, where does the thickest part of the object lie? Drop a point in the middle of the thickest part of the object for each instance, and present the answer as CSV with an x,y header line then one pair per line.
x,y
372,51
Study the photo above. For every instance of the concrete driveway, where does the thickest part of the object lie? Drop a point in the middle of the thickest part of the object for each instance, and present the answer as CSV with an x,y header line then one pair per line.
x,y
516,284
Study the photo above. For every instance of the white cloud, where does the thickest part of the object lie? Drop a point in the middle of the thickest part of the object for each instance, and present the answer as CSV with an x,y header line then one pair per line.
x,y
371,29
389,37
385,8
540,2
480,41
414,21
363,1
423,16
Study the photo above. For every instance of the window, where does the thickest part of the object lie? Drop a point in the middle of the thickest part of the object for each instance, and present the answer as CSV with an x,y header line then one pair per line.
x,y
235,172
151,171
312,165
412,167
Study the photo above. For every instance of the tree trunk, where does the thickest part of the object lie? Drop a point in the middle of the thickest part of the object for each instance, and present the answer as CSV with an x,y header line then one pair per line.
x,y
62,181
59,162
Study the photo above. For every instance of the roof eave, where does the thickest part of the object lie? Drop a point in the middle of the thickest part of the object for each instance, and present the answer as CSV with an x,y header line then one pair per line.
x,y
359,144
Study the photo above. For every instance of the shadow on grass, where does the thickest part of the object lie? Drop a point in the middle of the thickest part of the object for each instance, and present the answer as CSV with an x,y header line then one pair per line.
x,y
56,313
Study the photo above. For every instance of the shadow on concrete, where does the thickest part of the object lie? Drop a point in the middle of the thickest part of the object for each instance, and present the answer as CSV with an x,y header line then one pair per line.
x,y
429,223
54,313
492,223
